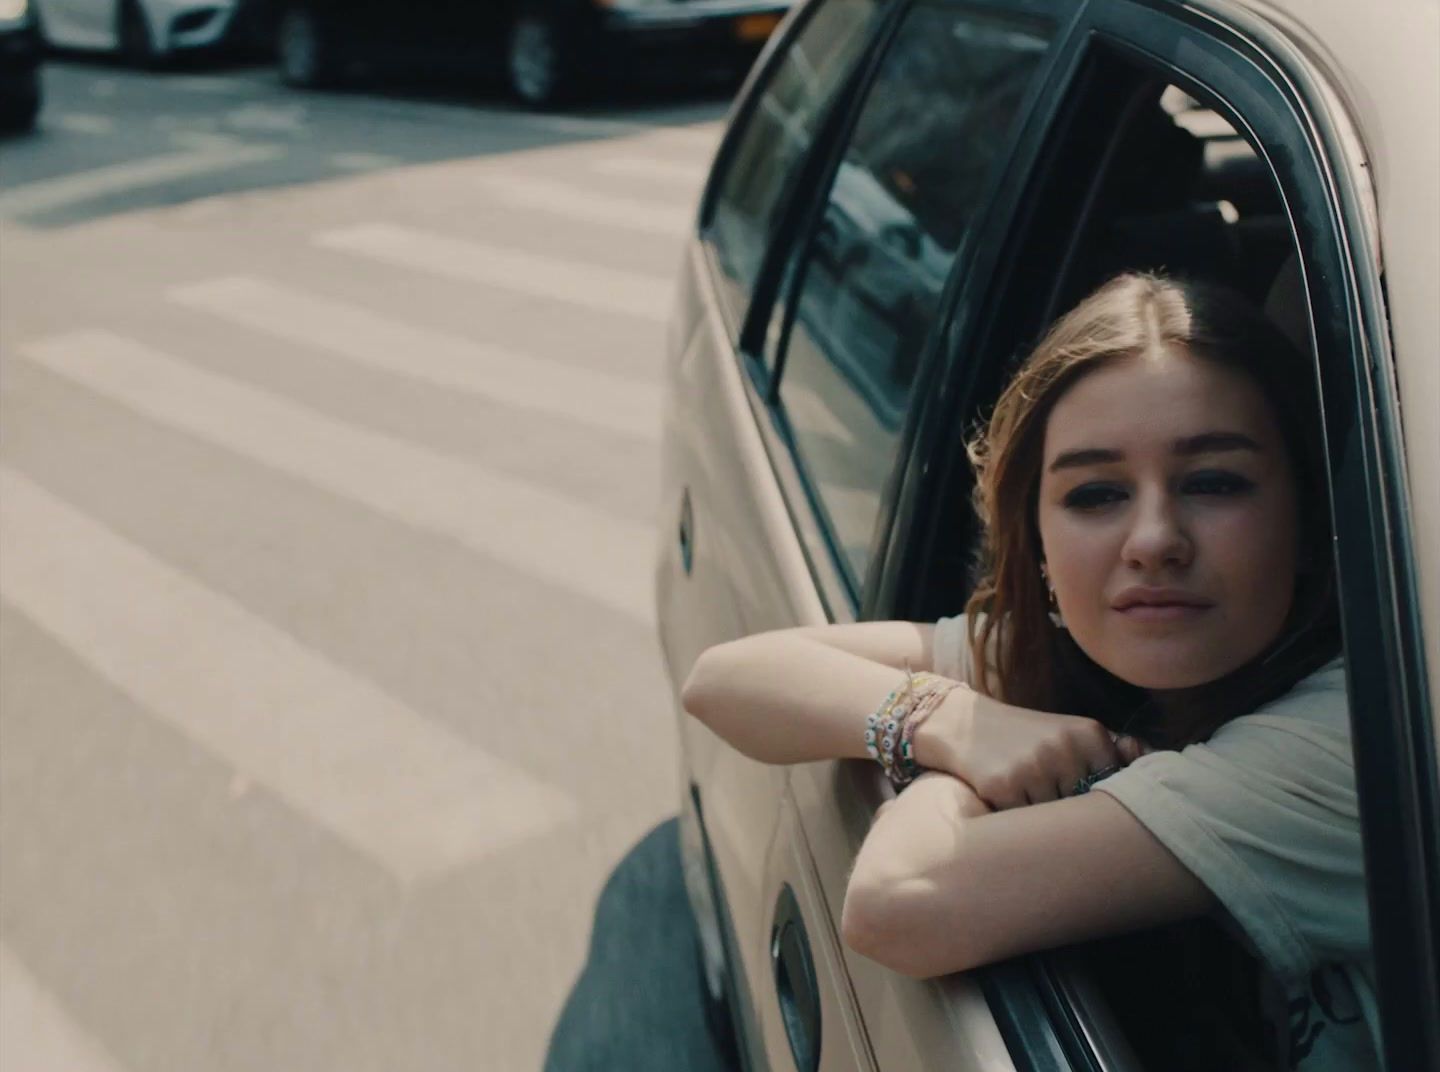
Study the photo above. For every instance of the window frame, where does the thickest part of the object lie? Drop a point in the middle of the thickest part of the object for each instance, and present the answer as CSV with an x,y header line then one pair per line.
x,y
1268,90
790,284
741,327
842,597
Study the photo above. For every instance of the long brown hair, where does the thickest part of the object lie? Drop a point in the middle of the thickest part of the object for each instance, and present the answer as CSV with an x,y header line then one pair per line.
x,y
1021,655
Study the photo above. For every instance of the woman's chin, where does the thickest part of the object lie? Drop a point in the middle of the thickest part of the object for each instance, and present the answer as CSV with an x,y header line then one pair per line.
x,y
1167,671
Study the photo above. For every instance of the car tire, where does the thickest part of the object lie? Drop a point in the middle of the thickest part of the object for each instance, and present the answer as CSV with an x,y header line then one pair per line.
x,y
542,57
137,41
304,48
18,113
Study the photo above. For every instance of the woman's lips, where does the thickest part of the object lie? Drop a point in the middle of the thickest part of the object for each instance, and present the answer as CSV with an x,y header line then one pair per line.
x,y
1159,603
1162,612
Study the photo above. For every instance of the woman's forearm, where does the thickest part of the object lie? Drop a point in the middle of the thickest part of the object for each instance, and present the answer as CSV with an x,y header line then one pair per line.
x,y
789,697
896,889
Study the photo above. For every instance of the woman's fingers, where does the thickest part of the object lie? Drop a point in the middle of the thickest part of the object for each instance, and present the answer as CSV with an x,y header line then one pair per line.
x,y
1131,748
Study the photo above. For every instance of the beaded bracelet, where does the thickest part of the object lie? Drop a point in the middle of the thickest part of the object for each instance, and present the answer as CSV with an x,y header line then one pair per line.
x,y
882,729
889,730
936,691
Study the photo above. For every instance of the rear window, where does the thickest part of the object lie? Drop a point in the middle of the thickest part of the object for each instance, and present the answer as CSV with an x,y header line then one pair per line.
x,y
776,136
933,127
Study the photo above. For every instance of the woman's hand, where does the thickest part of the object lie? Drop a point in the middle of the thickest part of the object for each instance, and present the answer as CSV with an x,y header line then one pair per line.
x,y
1012,756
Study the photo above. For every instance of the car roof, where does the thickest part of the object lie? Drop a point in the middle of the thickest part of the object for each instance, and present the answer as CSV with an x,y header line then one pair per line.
x,y
1382,64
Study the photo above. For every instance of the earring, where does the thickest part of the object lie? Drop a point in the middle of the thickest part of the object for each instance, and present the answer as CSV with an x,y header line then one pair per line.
x,y
1049,588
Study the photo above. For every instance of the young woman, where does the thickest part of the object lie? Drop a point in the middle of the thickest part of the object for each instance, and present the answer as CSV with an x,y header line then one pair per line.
x,y
1157,620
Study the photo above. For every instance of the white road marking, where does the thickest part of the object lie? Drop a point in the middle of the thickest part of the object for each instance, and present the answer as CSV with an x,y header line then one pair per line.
x,y
363,161
591,285
82,123
205,83
35,1030
704,135
652,168
627,406
403,791
46,194
526,527
268,118
577,203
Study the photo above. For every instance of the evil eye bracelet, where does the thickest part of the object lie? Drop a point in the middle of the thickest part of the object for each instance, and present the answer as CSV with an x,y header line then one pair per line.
x,y
882,729
889,731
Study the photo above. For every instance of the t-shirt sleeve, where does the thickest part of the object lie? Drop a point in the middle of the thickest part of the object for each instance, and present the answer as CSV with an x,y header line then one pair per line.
x,y
951,649
1265,814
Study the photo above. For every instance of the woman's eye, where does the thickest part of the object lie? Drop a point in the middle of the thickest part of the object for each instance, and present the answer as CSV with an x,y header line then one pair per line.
x,y
1216,483
1092,496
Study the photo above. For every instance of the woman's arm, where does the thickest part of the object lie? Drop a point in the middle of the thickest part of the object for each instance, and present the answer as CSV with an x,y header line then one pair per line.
x,y
943,885
797,695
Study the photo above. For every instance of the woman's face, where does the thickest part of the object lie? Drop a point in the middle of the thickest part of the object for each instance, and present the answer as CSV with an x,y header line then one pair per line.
x,y
1169,516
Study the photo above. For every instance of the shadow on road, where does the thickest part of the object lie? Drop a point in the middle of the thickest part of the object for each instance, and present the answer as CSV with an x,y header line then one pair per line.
x,y
638,1004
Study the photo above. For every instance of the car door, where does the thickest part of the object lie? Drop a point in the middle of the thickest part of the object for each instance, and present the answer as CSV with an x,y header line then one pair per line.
x,y
775,505
88,24
915,166
731,563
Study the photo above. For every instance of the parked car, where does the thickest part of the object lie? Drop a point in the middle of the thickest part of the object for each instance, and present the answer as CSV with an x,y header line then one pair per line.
x,y
143,32
19,65
814,468
549,50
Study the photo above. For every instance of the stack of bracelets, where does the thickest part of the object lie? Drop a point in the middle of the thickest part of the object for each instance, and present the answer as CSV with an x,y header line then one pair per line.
x,y
890,731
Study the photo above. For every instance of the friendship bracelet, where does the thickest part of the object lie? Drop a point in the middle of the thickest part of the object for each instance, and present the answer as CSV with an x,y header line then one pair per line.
x,y
888,731
888,721
936,692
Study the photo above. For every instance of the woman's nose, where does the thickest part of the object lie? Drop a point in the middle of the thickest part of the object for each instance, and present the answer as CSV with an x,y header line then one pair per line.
x,y
1157,536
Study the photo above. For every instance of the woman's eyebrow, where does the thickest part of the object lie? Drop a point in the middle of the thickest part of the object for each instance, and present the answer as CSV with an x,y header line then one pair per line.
x,y
1072,459
1204,443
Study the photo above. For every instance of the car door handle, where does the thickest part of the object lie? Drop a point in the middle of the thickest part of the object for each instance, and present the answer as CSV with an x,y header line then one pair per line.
x,y
795,983
687,532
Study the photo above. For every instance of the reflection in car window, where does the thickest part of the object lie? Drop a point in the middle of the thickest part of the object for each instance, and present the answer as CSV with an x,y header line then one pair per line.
x,y
780,130
932,128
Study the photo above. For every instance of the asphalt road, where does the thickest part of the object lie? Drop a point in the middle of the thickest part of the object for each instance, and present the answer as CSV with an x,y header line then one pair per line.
x,y
335,734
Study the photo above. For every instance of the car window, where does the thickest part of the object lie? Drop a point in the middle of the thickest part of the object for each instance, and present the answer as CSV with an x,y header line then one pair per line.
x,y
1141,174
934,124
775,138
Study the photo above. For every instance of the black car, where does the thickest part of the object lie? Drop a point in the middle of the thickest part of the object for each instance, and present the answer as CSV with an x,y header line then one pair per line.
x,y
548,50
19,65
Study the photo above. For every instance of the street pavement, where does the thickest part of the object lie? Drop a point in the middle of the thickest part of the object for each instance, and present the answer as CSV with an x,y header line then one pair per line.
x,y
335,733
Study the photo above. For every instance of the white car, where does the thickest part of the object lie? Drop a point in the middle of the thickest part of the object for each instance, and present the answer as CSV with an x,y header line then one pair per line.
x,y
142,31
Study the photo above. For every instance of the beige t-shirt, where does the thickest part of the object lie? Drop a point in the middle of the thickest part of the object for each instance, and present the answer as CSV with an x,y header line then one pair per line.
x,y
1265,814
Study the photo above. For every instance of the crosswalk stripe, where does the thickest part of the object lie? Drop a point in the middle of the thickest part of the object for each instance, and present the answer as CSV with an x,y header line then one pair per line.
x,y
652,168
591,285
44,195
35,1030
563,199
408,794
627,406
526,527
82,123
704,135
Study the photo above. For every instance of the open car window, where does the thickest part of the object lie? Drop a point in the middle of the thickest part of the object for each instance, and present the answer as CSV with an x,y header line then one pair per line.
x,y
1196,171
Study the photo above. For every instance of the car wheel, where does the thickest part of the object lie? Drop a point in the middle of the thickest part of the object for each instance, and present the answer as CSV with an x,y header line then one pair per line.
x,y
302,49
137,43
540,59
18,113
